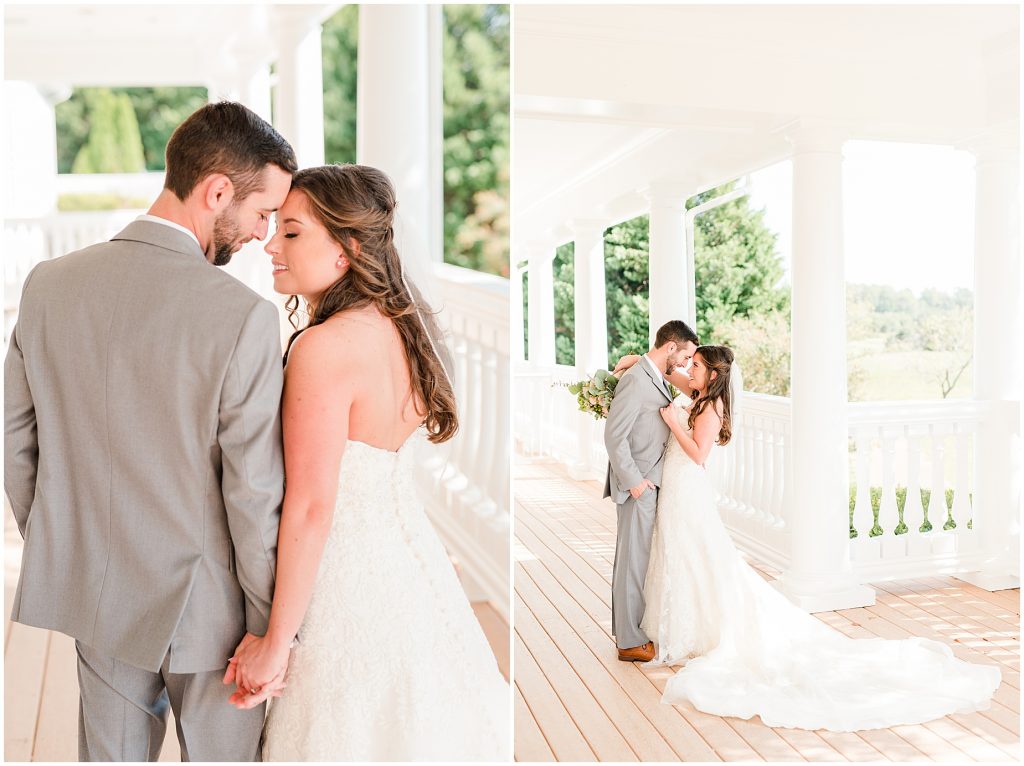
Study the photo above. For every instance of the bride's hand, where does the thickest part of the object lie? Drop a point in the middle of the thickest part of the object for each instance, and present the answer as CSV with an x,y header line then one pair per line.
x,y
625,363
258,663
668,414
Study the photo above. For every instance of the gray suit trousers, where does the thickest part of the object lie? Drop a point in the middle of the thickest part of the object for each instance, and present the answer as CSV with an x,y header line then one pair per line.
x,y
122,713
632,553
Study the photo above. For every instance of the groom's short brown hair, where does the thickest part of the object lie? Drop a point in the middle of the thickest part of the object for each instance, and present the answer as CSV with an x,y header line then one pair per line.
x,y
227,138
677,330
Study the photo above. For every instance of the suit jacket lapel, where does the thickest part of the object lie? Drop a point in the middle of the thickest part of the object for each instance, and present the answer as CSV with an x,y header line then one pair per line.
x,y
659,382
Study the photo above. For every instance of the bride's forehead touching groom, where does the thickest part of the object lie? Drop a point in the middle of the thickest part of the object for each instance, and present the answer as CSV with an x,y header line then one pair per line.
x,y
143,456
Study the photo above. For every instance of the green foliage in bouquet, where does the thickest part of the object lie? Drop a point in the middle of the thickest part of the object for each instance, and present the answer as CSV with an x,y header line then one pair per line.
x,y
594,394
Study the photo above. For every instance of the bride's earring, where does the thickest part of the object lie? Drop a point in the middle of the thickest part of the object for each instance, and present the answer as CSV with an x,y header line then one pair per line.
x,y
342,263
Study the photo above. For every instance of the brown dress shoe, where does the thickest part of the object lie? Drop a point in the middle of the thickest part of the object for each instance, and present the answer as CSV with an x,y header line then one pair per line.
x,y
643,653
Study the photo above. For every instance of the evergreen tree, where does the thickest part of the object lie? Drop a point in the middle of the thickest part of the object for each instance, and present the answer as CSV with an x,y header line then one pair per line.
x,y
565,320
114,144
476,136
340,43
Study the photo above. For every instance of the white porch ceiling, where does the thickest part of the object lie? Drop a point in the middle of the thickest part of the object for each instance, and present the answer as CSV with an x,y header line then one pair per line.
x,y
609,99
146,45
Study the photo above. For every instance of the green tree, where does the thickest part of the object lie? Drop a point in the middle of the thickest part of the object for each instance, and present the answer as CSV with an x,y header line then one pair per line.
x,y
738,275
565,320
114,144
761,343
340,42
738,269
476,136
627,287
158,111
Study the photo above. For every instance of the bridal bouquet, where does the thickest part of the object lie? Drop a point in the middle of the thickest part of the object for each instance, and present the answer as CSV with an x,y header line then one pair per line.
x,y
594,394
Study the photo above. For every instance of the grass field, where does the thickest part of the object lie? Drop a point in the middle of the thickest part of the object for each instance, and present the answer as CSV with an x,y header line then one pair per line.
x,y
880,375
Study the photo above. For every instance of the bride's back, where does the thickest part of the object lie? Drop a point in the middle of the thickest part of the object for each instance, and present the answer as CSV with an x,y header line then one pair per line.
x,y
385,410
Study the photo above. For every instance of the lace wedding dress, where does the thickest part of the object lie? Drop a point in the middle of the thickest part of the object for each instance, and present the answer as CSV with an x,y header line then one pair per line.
x,y
392,664
749,651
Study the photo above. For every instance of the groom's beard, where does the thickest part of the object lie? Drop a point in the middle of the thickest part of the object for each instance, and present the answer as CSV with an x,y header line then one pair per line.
x,y
226,234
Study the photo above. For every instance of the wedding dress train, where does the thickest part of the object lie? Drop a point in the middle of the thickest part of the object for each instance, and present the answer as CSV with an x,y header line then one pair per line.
x,y
749,651
392,664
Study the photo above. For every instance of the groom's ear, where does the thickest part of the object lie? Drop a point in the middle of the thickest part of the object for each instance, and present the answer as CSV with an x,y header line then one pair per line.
x,y
217,191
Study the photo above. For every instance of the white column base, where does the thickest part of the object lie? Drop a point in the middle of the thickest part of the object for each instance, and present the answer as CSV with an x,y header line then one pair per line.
x,y
824,599
990,581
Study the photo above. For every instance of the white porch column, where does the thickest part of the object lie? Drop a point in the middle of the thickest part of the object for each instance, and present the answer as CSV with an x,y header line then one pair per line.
x,y
671,270
299,98
29,131
591,322
589,307
399,114
819,576
255,90
998,338
541,304
515,312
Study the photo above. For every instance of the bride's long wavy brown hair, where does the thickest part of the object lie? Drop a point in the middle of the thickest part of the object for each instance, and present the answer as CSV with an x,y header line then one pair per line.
x,y
357,203
718,359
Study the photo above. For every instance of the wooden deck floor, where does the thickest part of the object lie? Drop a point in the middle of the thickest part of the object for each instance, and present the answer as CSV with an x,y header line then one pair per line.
x,y
41,682
574,701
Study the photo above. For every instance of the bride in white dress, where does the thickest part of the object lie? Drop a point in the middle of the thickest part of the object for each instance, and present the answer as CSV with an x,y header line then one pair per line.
x,y
390,663
746,649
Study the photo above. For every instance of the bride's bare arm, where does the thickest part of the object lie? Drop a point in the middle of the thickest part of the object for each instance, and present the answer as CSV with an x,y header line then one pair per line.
x,y
678,378
625,363
705,432
318,393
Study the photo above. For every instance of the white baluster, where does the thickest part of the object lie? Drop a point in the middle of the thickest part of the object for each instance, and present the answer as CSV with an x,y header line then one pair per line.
x,y
489,422
778,473
456,479
863,516
913,509
961,496
888,510
764,452
498,487
941,543
739,495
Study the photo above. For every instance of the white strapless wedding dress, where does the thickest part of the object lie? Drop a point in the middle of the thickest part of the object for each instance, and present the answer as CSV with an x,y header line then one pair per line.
x,y
749,651
392,664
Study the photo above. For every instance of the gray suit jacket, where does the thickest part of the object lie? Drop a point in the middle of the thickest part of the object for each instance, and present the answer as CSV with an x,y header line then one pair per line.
x,y
635,433
143,456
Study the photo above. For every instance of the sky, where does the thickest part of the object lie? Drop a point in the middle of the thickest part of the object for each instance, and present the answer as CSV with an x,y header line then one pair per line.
x,y
908,214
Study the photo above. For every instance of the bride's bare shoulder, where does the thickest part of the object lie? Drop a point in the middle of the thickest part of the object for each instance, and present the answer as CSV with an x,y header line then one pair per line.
x,y
341,340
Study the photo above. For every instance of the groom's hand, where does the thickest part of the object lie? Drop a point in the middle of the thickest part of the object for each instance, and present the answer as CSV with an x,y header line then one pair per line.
x,y
231,672
245,700
640,488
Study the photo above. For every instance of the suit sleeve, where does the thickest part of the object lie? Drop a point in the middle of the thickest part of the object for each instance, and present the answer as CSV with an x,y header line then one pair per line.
x,y
249,435
21,445
621,416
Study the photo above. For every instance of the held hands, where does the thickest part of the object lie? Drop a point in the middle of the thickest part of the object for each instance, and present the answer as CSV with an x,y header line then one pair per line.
x,y
258,671
640,488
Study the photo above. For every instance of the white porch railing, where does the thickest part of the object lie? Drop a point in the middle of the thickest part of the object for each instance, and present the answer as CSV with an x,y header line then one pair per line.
x,y
465,482
27,241
905,459
468,481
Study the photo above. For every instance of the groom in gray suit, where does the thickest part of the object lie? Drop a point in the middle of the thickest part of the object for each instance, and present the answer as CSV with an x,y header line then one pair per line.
x,y
143,457
635,437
